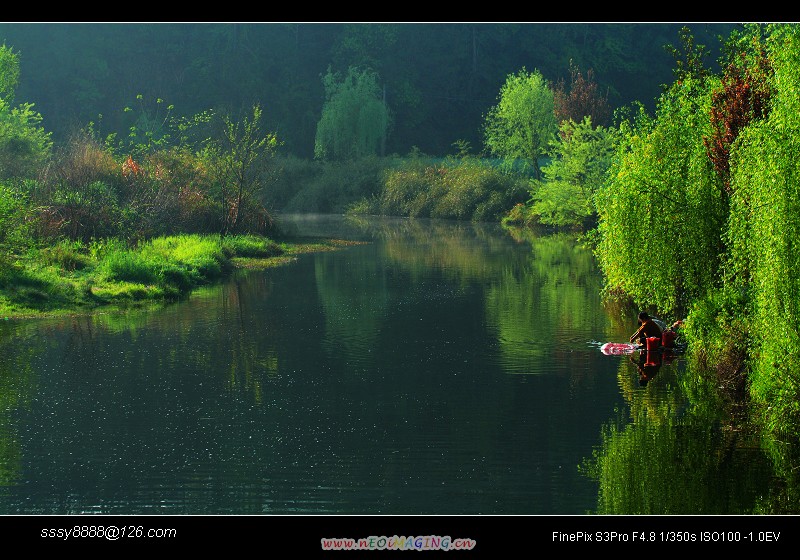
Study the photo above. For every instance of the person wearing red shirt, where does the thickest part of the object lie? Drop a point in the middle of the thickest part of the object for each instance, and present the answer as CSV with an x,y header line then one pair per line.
x,y
647,328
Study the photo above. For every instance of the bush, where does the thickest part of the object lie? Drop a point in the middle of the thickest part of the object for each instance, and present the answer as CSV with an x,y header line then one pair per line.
x,y
78,195
68,255
459,189
13,226
169,193
24,145
334,186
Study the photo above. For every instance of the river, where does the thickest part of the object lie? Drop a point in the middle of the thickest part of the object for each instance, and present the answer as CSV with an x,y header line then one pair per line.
x,y
437,368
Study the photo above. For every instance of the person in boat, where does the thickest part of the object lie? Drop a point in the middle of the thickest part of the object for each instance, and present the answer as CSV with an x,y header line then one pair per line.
x,y
647,328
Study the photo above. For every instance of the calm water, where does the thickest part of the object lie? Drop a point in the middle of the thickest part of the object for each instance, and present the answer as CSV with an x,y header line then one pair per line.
x,y
440,368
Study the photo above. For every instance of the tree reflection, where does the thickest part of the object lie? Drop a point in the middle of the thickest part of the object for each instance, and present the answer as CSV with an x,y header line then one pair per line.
x,y
18,346
672,458
542,304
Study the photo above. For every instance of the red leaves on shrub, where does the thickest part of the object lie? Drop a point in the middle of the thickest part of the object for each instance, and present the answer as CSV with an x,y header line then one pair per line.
x,y
582,100
130,167
744,97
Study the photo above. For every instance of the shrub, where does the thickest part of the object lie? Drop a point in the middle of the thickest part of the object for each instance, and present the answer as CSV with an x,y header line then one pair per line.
x,y
13,225
334,186
68,255
459,189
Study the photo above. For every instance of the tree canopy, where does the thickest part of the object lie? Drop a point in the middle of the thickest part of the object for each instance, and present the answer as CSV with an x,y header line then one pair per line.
x,y
523,123
355,120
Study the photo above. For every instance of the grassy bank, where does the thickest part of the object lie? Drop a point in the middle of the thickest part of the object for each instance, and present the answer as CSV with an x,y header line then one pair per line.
x,y
71,277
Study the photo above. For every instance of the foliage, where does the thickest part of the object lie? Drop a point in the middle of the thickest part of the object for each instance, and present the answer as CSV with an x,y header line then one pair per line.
x,y
578,168
240,164
313,186
67,255
24,144
181,181
718,333
13,222
293,174
762,236
463,188
688,57
662,213
355,120
581,99
77,194
9,73
701,216
523,123
169,192
519,215
152,128
178,176
333,185
744,97
438,76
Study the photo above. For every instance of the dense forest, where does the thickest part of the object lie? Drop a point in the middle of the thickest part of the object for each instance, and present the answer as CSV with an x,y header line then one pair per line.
x,y
439,79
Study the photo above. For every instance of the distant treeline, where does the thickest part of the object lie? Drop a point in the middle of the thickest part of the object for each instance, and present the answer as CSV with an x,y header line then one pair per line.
x,y
438,79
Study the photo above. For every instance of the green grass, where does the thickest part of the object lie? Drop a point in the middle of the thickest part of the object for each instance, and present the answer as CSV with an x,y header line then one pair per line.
x,y
68,277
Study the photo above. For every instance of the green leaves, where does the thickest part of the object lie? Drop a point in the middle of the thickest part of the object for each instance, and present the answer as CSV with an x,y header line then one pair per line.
x,y
661,214
676,234
239,159
763,230
523,123
13,230
578,168
9,73
24,144
355,120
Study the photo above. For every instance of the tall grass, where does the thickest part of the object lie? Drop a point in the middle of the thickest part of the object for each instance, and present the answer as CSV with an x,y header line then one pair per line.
x,y
455,188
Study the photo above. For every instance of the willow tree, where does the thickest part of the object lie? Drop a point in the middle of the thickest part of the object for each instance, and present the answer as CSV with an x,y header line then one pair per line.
x,y
355,119
522,124
662,213
764,232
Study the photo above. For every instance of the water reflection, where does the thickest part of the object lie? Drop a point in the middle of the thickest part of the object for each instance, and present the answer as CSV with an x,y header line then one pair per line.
x,y
545,306
672,465
378,379
17,386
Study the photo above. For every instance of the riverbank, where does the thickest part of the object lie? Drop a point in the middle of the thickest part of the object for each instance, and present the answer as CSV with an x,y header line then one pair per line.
x,y
74,277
